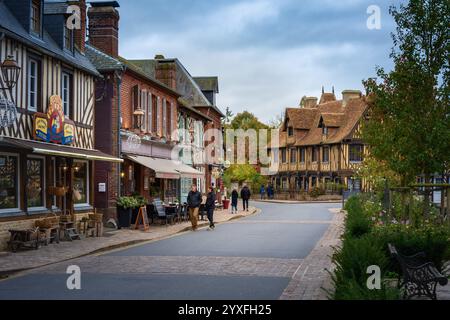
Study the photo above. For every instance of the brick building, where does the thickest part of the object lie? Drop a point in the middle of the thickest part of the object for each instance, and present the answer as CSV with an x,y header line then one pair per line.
x,y
139,120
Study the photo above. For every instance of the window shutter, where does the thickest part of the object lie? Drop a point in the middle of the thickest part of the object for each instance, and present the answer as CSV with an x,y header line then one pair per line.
x,y
135,92
149,112
158,117
164,124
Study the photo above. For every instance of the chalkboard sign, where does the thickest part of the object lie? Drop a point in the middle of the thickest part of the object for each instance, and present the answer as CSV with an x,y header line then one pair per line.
x,y
142,219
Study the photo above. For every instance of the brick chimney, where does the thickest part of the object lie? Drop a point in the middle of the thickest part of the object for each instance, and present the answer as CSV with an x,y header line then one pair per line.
x,y
104,27
309,102
347,95
166,71
80,34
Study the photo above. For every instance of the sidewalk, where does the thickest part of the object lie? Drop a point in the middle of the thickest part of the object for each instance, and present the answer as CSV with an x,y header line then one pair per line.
x,y
113,239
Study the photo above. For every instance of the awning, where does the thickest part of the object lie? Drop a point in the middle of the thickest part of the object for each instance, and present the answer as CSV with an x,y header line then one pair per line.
x,y
58,150
164,169
167,169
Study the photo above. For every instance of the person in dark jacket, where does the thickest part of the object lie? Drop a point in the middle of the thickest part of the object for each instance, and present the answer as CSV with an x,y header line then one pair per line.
x,y
262,191
210,207
194,201
245,195
234,201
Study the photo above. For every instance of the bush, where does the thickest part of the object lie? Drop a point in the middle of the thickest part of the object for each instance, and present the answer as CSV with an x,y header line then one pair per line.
x,y
317,192
350,276
126,202
357,223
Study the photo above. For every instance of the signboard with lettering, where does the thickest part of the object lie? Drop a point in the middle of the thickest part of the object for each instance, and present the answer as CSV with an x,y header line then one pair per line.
x,y
54,127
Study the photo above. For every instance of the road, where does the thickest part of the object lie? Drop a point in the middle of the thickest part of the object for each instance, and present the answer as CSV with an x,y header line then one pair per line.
x,y
250,258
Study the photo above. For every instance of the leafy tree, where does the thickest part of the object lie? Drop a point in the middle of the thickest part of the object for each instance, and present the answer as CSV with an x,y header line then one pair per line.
x,y
409,116
244,173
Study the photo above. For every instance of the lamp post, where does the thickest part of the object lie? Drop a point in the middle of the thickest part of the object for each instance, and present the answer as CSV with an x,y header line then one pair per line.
x,y
10,71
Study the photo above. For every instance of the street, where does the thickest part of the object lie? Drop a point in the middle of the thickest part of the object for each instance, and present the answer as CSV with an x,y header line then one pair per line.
x,y
250,258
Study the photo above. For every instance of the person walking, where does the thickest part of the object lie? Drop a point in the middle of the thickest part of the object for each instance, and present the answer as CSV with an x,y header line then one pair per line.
x,y
245,195
262,191
194,201
210,207
234,201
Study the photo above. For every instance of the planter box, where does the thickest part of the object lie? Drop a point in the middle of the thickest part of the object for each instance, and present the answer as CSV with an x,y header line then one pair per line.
x,y
124,217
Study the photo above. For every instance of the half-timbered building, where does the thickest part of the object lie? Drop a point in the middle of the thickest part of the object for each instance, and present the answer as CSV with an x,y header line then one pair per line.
x,y
47,153
320,143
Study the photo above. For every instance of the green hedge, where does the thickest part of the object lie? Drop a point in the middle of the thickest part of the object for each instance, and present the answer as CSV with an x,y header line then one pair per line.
x,y
365,244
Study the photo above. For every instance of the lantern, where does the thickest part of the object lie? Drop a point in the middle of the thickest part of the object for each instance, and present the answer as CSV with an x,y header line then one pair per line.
x,y
139,118
10,71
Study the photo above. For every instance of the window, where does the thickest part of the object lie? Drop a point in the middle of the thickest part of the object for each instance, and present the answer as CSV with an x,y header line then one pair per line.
x,y
36,17
169,120
164,120
66,84
33,75
325,131
154,114
315,154
68,38
9,186
35,183
356,152
293,155
149,112
326,154
158,117
283,156
81,183
143,103
302,155
290,131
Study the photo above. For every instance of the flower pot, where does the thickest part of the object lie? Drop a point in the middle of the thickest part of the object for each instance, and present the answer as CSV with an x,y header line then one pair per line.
x,y
226,204
124,217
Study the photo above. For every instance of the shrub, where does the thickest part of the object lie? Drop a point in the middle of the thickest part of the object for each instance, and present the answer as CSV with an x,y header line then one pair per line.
x,y
317,192
357,223
350,275
126,202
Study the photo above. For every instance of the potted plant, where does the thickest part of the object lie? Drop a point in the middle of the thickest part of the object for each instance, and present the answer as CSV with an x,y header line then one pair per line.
x,y
124,208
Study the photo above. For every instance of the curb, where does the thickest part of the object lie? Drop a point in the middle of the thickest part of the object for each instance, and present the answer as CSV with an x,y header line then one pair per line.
x,y
297,202
7,273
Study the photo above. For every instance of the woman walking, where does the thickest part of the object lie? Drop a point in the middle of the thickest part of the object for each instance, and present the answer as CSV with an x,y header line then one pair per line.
x,y
210,207
234,201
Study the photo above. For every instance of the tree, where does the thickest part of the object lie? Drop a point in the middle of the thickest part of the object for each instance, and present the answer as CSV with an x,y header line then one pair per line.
x,y
408,125
244,173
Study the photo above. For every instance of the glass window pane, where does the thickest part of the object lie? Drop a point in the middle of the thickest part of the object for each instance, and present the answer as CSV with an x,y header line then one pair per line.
x,y
35,185
80,183
8,182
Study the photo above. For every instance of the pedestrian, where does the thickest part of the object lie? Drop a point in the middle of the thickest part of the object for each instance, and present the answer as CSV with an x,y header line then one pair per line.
x,y
262,191
210,206
194,201
234,201
269,190
245,195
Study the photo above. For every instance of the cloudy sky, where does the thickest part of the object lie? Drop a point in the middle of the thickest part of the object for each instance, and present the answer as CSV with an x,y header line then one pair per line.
x,y
267,53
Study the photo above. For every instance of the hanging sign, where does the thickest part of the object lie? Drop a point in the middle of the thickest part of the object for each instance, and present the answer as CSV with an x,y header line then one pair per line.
x,y
54,127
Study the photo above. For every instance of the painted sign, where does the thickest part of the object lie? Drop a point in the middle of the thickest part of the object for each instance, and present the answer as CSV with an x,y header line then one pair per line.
x,y
54,127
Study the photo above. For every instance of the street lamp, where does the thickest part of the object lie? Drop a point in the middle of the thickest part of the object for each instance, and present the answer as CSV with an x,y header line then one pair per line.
x,y
139,118
10,71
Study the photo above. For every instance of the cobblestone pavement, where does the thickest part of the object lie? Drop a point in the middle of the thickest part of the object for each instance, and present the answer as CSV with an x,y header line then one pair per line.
x,y
11,262
312,279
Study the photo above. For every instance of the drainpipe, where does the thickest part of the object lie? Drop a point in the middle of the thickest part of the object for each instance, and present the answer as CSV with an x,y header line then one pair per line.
x,y
119,75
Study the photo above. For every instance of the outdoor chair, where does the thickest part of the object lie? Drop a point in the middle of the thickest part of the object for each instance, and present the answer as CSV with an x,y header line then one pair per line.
x,y
161,211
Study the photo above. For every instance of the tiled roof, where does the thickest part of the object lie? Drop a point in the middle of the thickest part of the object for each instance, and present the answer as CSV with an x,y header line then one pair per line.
x,y
102,61
334,114
14,29
208,83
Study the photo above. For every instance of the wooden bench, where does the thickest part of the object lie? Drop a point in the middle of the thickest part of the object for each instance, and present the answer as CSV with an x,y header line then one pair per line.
x,y
419,276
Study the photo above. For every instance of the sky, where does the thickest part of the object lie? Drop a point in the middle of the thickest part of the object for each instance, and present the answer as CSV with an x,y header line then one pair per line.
x,y
268,54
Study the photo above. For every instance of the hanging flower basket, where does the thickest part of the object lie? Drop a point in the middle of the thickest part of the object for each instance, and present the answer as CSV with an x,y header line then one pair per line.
x,y
57,191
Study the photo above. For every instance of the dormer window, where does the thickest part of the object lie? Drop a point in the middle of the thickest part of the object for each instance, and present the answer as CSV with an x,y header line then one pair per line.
x,y
325,131
68,38
35,23
290,131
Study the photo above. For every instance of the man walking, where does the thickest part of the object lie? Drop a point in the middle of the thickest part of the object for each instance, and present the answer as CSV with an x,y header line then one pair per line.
x,y
245,195
210,206
262,191
234,201
194,201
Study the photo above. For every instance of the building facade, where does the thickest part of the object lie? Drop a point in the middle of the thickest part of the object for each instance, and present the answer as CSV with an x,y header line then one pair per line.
x,y
320,144
47,155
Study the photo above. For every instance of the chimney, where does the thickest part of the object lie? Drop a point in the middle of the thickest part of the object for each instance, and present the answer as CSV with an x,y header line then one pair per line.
x,y
79,35
104,27
309,102
166,71
348,95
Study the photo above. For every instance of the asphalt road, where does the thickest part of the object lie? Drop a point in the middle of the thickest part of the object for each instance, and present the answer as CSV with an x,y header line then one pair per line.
x,y
250,258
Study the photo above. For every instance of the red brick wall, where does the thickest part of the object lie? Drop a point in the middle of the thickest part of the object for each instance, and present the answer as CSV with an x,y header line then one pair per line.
x,y
129,80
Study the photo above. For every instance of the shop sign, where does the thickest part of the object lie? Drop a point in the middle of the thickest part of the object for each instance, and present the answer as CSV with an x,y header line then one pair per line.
x,y
54,127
